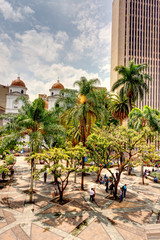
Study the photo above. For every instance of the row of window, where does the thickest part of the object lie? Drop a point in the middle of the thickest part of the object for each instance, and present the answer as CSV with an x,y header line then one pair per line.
x,y
22,91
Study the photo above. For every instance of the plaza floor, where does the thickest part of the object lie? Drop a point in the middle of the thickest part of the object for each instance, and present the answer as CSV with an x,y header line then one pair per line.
x,y
136,218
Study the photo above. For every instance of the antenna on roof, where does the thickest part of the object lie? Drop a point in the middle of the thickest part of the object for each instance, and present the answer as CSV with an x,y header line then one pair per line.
x,y
18,76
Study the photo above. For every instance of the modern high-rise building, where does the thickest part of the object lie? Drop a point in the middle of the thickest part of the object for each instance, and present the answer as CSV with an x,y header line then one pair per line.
x,y
136,35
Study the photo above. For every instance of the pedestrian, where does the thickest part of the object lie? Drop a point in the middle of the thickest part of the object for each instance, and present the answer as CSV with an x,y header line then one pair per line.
x,y
117,174
105,178
3,175
92,195
106,184
111,188
155,179
121,194
124,189
100,180
45,176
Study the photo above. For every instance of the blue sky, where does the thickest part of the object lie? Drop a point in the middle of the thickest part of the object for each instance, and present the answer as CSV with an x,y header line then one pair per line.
x,y
44,40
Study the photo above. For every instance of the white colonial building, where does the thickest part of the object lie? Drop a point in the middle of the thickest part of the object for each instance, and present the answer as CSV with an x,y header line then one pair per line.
x,y
54,94
16,89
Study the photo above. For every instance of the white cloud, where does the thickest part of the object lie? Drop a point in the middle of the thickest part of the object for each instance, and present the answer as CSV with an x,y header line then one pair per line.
x,y
28,10
40,46
9,13
61,37
46,76
41,56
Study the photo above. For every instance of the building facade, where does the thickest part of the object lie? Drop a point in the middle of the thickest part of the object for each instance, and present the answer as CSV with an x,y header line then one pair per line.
x,y
16,89
136,35
54,94
3,92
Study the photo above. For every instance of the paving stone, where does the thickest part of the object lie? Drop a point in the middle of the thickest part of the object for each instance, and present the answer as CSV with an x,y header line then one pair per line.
x,y
9,217
42,234
66,224
128,235
8,235
19,233
141,217
94,231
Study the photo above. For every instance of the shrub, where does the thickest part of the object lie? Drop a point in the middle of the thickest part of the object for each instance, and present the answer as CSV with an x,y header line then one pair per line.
x,y
153,174
9,160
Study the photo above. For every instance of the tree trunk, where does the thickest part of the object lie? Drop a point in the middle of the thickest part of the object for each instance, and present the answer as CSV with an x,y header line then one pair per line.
x,y
98,174
61,196
130,103
129,169
115,189
32,179
54,176
121,121
75,174
82,179
142,174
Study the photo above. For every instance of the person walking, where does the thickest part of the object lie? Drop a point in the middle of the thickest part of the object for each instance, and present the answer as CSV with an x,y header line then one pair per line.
x,y
121,195
45,176
106,184
3,175
92,193
111,188
117,175
124,188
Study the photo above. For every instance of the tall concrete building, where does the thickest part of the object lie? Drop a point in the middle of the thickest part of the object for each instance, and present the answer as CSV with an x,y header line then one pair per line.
x,y
136,35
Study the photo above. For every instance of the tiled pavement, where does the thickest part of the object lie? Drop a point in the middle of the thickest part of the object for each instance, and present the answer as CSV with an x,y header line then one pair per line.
x,y
134,218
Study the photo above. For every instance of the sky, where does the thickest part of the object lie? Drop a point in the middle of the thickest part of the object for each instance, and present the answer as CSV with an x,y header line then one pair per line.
x,y
45,40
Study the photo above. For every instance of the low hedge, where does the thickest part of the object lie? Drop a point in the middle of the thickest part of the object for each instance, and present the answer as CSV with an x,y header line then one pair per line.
x,y
153,174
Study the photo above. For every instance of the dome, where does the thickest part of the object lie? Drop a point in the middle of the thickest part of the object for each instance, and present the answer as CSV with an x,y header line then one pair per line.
x,y
57,85
18,82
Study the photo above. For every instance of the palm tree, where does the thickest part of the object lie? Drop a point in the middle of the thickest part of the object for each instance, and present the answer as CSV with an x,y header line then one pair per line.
x,y
66,100
119,107
133,81
40,125
84,113
138,119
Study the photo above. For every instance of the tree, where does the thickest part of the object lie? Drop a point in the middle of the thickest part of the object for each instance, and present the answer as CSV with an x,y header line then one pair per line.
x,y
66,100
100,150
59,162
138,119
83,114
146,155
103,101
121,144
119,107
40,125
132,82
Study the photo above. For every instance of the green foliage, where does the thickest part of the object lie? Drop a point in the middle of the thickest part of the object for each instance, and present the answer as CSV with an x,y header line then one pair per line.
x,y
132,81
153,174
4,169
33,120
88,108
138,119
119,107
9,159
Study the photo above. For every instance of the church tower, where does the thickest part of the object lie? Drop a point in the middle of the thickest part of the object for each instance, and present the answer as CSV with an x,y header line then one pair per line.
x,y
54,94
16,89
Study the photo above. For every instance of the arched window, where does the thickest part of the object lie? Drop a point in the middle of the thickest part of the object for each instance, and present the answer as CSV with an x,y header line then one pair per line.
x,y
10,90
52,93
22,91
